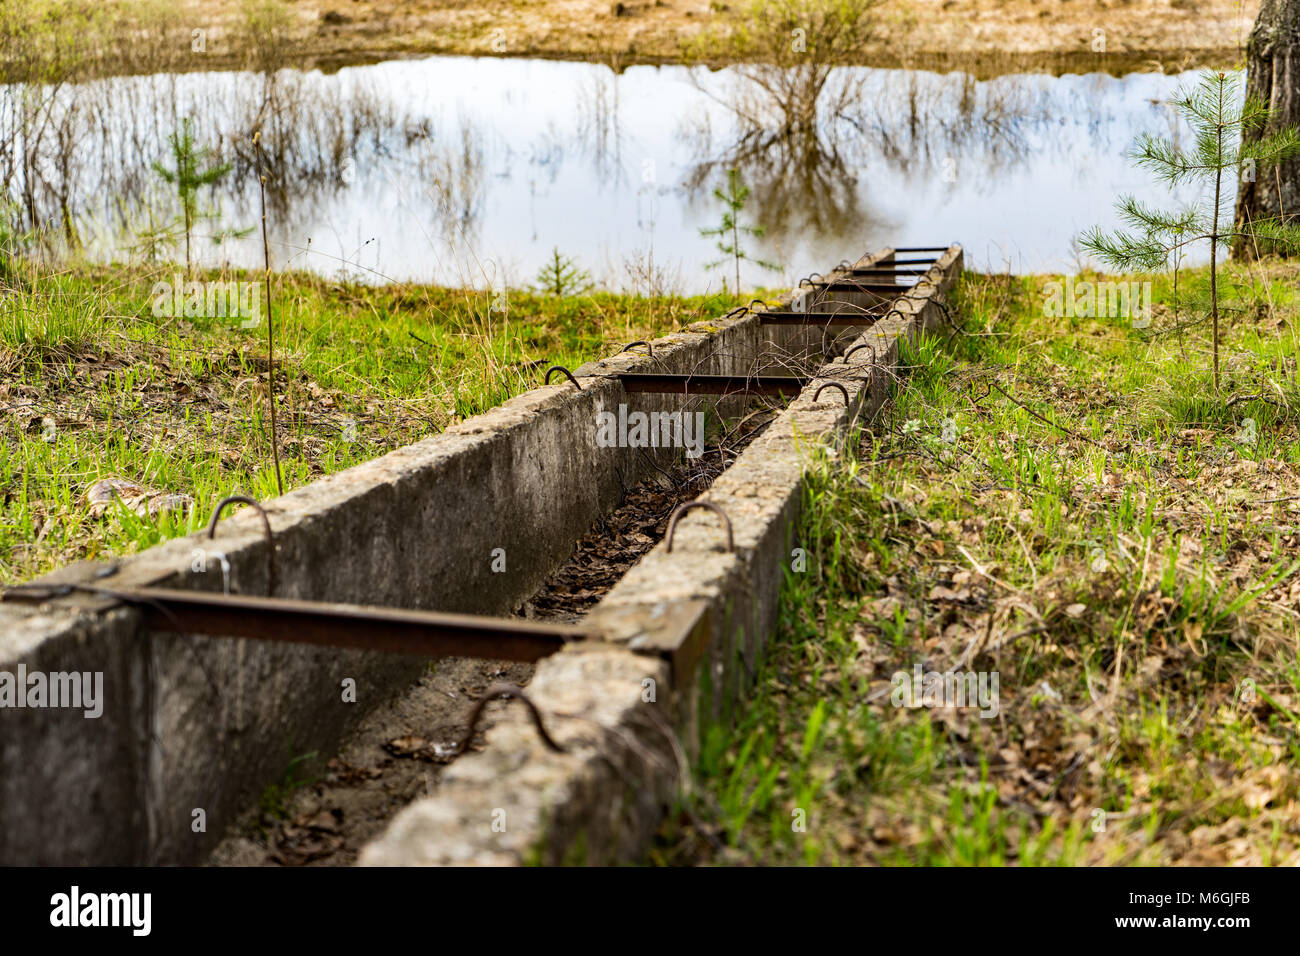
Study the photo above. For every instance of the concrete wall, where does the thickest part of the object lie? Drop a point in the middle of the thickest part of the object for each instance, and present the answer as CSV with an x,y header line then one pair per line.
x,y
195,723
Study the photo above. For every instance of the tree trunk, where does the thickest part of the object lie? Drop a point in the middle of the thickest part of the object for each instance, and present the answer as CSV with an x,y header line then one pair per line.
x,y
1272,76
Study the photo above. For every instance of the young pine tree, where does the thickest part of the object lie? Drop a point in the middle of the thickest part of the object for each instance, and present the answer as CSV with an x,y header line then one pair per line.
x,y
189,176
729,231
562,276
1217,159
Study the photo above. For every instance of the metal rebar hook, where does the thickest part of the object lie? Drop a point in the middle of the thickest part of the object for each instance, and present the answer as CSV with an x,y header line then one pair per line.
x,y
567,374
861,345
497,691
708,506
843,391
266,527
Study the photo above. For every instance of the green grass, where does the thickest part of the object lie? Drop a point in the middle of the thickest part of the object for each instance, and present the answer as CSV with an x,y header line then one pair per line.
x,y
1098,527
95,386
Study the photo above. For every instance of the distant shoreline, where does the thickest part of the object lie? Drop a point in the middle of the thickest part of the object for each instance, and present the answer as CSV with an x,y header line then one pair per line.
x,y
981,66
985,38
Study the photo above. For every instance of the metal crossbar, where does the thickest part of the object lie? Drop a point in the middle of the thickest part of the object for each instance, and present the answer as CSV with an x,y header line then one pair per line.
x,y
665,383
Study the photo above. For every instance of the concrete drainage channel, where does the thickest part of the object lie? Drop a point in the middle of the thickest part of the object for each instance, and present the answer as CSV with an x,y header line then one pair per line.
x,y
423,544
399,752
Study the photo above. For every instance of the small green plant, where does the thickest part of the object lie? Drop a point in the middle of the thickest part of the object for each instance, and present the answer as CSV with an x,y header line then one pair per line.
x,y
274,801
1218,116
729,231
562,276
189,176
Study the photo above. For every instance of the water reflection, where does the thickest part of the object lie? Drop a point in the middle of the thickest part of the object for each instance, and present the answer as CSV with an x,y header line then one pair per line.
x,y
466,170
793,138
800,180
600,127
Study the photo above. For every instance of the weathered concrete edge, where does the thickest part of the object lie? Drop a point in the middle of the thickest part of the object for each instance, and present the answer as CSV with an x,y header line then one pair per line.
x,y
628,731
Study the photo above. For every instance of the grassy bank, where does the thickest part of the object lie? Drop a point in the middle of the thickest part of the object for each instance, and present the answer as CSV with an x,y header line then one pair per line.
x,y
95,386
1065,502
985,37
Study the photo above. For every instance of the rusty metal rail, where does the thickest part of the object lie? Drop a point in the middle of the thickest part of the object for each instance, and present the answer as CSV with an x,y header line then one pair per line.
x,y
843,318
390,630
878,271
849,285
669,384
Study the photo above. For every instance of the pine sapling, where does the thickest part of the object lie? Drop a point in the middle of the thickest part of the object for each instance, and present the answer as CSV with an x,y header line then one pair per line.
x,y
562,276
1215,110
189,176
729,231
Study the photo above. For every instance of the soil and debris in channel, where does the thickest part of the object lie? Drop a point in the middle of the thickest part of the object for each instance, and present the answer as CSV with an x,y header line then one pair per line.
x,y
609,550
323,811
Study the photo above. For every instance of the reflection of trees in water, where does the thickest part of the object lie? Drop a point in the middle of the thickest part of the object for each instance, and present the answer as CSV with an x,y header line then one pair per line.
x,y
805,140
78,156
786,143
313,136
452,172
798,180
599,129
812,144
53,160
937,122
